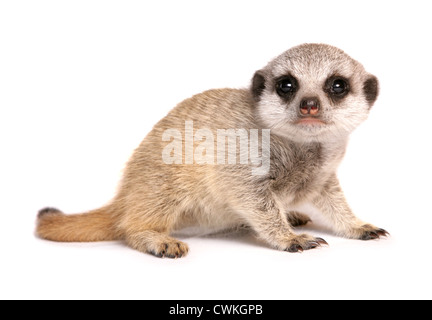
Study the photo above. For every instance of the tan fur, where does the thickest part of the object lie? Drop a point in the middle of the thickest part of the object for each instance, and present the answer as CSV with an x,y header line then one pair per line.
x,y
156,199
97,225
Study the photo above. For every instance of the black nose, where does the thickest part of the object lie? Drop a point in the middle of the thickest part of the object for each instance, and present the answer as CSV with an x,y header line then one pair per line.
x,y
309,106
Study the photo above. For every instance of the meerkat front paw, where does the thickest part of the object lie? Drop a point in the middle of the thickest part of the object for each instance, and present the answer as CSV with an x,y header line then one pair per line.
x,y
370,232
303,242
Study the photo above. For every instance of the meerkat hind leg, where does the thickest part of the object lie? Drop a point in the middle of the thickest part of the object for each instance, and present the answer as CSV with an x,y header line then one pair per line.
x,y
157,243
297,219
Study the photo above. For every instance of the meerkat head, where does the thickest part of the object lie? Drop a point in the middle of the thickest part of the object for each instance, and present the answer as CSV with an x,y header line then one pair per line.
x,y
313,92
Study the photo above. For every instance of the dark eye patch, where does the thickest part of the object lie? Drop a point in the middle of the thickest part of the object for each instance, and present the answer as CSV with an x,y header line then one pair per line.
x,y
337,88
286,87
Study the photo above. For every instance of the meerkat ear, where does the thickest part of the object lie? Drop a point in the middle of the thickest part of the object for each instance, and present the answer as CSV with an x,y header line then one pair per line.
x,y
371,89
258,85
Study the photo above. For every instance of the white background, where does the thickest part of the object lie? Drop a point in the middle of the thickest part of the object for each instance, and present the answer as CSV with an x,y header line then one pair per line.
x,y
83,82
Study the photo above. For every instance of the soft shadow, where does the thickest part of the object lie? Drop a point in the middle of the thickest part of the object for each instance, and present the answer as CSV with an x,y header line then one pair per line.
x,y
247,236
241,236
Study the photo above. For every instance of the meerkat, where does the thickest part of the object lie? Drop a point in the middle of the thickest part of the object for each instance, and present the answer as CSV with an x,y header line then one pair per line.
x,y
309,99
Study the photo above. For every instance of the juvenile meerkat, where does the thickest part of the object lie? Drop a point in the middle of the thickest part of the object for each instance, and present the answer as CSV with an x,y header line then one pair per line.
x,y
311,98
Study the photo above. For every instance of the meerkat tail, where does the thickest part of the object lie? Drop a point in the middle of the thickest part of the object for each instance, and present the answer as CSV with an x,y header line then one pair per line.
x,y
96,225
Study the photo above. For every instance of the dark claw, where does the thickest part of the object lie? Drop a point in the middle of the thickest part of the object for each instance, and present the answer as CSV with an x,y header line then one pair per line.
x,y
383,233
313,245
164,250
317,242
159,255
321,241
295,248
372,235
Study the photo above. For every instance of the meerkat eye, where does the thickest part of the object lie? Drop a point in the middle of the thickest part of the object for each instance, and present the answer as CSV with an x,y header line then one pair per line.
x,y
339,86
286,86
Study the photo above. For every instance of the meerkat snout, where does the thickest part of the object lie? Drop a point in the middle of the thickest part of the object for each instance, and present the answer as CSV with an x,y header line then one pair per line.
x,y
309,107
